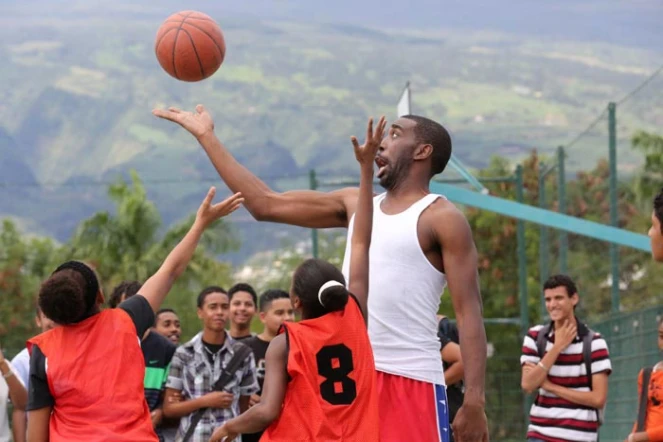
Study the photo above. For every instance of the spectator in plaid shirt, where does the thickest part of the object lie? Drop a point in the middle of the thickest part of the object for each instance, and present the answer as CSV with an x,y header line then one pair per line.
x,y
198,364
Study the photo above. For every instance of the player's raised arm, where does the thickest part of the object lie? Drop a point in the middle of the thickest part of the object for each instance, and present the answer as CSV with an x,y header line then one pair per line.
x,y
304,208
158,285
363,225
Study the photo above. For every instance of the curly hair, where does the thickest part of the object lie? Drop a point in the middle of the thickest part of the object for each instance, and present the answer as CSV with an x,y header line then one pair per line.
x,y
62,297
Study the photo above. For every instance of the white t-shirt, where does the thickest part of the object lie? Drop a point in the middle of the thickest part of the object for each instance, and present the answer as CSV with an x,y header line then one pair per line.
x,y
5,434
21,363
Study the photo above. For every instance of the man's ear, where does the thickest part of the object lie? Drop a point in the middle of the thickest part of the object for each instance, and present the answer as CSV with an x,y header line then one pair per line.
x,y
423,151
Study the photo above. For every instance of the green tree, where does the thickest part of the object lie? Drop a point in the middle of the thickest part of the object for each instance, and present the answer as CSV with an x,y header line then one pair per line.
x,y
127,245
645,285
24,263
647,181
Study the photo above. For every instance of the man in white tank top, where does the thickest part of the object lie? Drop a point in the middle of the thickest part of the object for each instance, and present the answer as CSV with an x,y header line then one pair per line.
x,y
421,243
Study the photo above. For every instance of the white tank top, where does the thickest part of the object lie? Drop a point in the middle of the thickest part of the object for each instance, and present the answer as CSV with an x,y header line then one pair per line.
x,y
404,295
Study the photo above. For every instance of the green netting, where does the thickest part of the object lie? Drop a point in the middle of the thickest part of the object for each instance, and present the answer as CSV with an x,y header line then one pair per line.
x,y
632,340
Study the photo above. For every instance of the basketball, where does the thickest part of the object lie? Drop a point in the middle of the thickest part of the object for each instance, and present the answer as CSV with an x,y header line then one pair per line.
x,y
190,46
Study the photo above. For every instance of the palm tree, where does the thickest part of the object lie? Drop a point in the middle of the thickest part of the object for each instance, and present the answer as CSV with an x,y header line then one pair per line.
x,y
126,245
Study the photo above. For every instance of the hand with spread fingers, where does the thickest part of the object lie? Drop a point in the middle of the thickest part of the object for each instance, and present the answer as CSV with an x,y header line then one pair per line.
x,y
208,212
365,153
198,123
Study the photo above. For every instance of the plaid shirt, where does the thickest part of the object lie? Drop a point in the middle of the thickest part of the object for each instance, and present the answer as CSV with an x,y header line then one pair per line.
x,y
192,373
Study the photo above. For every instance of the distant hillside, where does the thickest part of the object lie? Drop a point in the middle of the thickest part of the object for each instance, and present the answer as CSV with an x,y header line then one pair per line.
x,y
77,88
634,23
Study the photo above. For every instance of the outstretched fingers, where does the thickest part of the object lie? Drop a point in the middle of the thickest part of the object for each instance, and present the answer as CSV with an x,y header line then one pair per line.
x,y
236,205
209,197
231,203
166,115
382,124
369,129
355,144
233,198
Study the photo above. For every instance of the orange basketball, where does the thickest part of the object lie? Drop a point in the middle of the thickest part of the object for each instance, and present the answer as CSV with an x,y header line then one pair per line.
x,y
190,46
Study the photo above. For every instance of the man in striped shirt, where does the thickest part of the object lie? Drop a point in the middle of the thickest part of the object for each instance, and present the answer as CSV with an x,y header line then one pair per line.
x,y
568,401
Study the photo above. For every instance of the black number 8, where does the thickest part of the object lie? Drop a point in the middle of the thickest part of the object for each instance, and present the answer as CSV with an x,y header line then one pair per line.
x,y
336,374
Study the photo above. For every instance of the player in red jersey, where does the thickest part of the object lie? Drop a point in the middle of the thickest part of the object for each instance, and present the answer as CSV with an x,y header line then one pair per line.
x,y
320,380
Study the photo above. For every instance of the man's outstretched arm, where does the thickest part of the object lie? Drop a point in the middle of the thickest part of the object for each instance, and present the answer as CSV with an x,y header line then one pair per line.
x,y
304,208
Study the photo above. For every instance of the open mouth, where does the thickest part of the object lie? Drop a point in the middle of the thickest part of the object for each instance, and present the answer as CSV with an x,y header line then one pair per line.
x,y
382,165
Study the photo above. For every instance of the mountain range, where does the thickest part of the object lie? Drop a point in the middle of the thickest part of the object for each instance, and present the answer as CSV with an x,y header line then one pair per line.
x,y
79,79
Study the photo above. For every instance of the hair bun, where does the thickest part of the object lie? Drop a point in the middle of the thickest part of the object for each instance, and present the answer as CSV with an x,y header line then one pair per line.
x,y
333,296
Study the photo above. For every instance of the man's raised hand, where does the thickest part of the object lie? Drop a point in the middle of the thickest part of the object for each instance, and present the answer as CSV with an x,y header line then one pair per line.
x,y
365,153
198,123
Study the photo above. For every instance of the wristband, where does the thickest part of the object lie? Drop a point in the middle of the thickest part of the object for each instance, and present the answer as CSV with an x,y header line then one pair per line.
x,y
543,367
10,371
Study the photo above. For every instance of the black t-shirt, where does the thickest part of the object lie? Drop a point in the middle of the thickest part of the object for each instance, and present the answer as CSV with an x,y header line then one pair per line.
x,y
212,351
242,338
259,348
157,352
448,332
39,396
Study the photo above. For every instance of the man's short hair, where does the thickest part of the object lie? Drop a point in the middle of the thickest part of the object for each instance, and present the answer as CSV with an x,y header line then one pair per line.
x,y
431,132
243,287
270,296
561,281
208,290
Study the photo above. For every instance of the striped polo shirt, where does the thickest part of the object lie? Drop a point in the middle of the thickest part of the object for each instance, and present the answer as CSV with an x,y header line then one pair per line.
x,y
555,419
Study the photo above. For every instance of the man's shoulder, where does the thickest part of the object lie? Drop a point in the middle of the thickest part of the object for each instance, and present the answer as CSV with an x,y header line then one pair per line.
x,y
533,332
530,349
441,206
598,341
255,342
237,344
595,334
187,350
443,209
156,343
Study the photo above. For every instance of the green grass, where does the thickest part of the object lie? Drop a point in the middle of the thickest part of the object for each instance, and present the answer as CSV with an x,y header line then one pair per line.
x,y
464,100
